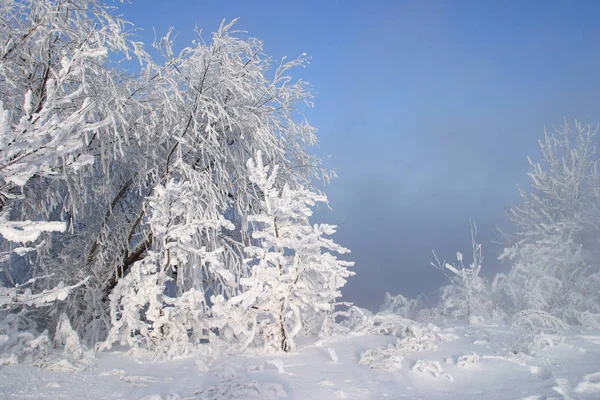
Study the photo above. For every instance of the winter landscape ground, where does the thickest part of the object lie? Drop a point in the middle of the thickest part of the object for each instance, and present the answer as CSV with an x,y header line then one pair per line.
x,y
464,362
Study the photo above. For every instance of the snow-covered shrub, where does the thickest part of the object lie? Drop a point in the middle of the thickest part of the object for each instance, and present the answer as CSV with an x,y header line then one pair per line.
x,y
413,309
67,338
430,314
21,339
468,293
554,256
536,319
341,321
542,269
414,338
21,345
293,274
154,307
532,341
400,305
358,321
387,357
588,319
538,330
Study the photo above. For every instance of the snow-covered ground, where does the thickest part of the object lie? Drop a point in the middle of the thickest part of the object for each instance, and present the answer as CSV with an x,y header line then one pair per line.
x,y
463,362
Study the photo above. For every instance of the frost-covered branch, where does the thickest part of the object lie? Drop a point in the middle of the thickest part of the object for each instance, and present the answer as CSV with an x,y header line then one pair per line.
x,y
468,292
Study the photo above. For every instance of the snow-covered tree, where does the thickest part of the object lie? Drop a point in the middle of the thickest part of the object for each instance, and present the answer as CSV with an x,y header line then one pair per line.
x,y
554,259
467,295
85,145
62,107
294,275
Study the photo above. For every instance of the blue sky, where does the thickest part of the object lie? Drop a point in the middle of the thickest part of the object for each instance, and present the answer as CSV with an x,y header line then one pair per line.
x,y
427,108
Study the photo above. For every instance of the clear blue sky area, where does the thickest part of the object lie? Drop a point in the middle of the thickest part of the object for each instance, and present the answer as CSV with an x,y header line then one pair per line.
x,y
427,108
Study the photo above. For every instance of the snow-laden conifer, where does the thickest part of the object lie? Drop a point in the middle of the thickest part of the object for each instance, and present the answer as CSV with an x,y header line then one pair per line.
x,y
294,275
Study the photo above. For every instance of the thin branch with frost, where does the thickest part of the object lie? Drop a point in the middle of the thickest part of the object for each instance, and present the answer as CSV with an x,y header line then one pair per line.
x,y
468,293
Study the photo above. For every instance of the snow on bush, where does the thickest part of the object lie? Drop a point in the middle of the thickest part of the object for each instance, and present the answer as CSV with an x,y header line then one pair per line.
x,y
416,338
143,313
588,319
536,319
20,338
400,305
538,330
21,345
554,253
18,345
531,341
387,357
589,384
356,321
67,338
468,293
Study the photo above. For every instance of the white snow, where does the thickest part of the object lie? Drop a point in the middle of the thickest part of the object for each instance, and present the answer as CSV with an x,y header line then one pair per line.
x,y
28,231
488,370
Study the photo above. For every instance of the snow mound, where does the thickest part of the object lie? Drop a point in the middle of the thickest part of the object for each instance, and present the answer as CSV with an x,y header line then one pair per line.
x,y
433,368
236,388
589,384
416,338
467,359
382,358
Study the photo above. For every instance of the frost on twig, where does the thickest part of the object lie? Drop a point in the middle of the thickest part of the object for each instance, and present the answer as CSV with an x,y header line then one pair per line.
x,y
467,294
